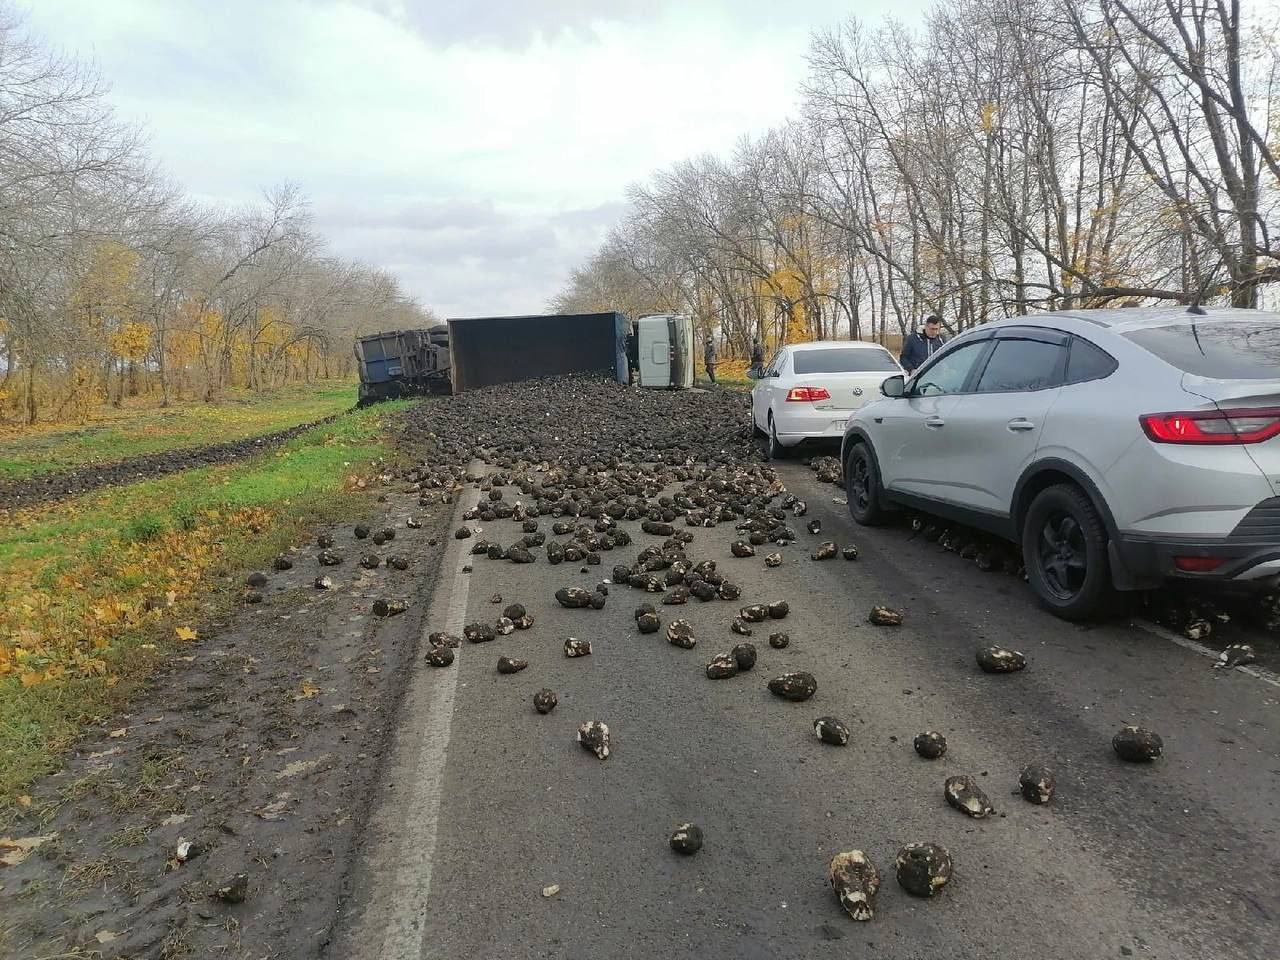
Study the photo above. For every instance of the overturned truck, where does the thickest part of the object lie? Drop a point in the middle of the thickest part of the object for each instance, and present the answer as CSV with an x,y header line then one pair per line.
x,y
403,363
472,352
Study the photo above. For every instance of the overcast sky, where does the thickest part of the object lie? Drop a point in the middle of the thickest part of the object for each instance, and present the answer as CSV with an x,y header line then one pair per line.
x,y
477,150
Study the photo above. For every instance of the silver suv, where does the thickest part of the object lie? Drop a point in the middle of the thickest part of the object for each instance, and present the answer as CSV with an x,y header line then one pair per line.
x,y
1120,447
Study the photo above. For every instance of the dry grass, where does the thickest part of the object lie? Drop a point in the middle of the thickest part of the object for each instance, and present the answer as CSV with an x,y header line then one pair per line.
x,y
93,591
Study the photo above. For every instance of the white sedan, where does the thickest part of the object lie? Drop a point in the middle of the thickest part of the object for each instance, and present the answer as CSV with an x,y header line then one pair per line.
x,y
808,390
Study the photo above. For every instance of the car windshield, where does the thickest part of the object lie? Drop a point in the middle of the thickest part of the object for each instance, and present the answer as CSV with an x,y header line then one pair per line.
x,y
844,360
1230,350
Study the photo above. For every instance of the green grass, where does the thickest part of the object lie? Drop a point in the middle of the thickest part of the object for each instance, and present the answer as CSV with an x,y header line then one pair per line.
x,y
126,544
136,431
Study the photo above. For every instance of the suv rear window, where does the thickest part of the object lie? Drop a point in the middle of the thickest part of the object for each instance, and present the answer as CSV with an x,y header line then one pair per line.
x,y
1226,350
848,360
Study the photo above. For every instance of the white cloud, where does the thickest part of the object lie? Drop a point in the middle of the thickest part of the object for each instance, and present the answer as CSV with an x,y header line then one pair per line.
x,y
479,152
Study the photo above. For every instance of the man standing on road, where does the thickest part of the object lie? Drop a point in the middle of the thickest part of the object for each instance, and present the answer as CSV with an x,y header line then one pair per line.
x,y
757,356
922,345
709,358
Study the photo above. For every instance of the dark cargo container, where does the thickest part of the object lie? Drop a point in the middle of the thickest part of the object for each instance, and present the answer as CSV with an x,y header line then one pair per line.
x,y
489,350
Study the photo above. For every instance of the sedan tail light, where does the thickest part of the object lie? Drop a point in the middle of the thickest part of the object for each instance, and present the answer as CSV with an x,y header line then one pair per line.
x,y
1213,426
808,394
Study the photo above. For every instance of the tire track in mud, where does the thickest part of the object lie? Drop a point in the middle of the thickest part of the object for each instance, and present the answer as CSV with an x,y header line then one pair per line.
x,y
62,484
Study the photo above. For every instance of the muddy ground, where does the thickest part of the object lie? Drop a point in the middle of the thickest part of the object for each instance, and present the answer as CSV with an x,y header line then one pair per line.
x,y
16,494
260,746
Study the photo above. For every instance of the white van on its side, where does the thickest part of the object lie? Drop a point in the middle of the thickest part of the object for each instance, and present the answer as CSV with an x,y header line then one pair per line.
x,y
664,351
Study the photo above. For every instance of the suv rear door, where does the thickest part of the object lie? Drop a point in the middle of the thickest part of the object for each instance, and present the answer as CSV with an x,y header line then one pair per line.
x,y
996,427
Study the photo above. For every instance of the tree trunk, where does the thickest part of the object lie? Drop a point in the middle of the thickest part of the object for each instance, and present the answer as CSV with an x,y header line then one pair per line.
x,y
31,394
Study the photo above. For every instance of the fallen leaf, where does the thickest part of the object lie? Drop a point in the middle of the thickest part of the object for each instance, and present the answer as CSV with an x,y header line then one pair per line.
x,y
24,800
299,767
117,734
106,936
186,633
551,891
275,809
173,819
307,690
14,850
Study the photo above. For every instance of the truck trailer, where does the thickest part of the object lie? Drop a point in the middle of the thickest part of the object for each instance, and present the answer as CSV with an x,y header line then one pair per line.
x,y
489,350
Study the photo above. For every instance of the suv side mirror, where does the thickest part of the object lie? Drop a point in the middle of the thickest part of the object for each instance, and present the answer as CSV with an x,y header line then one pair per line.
x,y
753,373
894,386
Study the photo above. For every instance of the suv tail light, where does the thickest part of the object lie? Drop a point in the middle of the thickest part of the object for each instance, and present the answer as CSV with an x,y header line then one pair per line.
x,y
1213,426
1198,564
809,394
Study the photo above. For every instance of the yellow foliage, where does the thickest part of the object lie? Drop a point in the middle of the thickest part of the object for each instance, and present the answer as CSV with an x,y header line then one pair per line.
x,y
131,341
989,111
106,295
69,628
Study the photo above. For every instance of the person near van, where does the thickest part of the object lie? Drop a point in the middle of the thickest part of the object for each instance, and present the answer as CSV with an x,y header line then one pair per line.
x,y
757,356
633,357
709,358
922,345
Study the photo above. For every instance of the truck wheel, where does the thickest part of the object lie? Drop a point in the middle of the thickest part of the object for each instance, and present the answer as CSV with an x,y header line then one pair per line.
x,y
1064,548
862,487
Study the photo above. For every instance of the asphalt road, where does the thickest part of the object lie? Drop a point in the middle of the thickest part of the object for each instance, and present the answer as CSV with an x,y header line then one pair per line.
x,y
486,803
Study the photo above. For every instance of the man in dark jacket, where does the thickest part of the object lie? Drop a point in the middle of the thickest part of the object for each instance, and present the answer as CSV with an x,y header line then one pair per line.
x,y
757,356
919,347
709,359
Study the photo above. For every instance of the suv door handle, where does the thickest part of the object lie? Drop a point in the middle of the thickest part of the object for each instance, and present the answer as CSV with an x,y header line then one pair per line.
x,y
1021,423
935,422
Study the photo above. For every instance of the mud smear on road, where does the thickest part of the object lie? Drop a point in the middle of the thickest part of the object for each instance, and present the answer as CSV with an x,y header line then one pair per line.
x,y
252,754
48,487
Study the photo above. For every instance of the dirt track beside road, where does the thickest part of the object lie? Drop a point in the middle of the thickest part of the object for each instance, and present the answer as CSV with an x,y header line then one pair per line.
x,y
50,487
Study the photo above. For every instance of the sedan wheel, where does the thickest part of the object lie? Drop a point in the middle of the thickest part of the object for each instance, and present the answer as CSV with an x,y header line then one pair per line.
x,y
775,450
1064,548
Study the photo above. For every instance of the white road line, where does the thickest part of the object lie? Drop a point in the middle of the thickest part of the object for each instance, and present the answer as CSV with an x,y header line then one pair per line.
x,y
404,829
1258,673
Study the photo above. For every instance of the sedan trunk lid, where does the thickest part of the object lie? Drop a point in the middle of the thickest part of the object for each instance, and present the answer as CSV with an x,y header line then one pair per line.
x,y
848,391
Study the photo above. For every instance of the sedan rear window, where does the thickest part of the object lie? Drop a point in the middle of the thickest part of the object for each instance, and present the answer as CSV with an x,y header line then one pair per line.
x,y
848,360
1226,350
